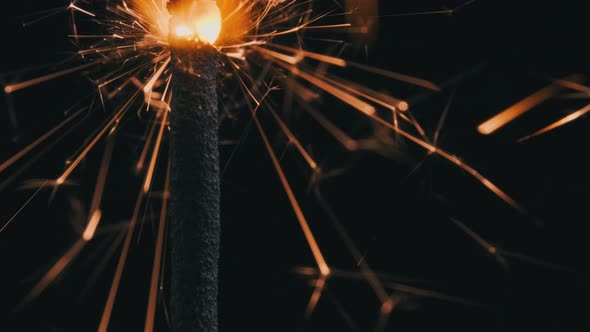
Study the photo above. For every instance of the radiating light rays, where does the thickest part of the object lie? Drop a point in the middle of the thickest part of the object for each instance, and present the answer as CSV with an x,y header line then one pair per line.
x,y
341,92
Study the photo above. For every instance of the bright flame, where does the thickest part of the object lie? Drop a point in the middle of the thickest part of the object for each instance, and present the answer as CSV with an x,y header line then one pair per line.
x,y
201,21
208,27
183,31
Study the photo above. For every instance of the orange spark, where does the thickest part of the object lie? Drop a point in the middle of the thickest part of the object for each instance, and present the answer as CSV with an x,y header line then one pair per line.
x,y
570,118
503,118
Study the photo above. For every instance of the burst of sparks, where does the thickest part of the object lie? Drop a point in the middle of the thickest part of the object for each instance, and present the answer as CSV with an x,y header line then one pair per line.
x,y
131,59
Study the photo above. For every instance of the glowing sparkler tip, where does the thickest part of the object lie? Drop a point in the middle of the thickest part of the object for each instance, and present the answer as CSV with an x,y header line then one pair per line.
x,y
201,22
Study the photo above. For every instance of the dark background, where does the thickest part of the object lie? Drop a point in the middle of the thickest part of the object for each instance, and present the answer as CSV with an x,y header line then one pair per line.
x,y
488,54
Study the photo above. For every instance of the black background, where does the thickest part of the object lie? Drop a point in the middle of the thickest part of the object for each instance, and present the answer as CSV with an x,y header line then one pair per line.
x,y
397,214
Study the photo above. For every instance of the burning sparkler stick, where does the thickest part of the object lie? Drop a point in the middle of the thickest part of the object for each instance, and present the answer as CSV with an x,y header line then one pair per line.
x,y
194,160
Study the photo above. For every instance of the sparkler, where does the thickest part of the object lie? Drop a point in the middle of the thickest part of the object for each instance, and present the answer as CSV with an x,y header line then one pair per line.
x,y
194,164
172,68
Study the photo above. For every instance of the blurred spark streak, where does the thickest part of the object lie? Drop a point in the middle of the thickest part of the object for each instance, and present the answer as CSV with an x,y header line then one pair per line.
x,y
105,258
92,225
338,93
158,254
23,206
95,212
155,154
22,85
389,102
329,26
312,55
54,272
97,36
477,238
114,119
573,85
293,60
147,145
315,296
503,118
315,249
384,314
40,140
44,14
570,118
108,308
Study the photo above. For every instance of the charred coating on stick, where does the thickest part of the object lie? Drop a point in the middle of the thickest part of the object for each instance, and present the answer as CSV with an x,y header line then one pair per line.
x,y
194,189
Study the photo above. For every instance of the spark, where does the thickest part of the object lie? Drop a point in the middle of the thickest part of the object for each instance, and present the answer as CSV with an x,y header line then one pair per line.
x,y
317,253
501,119
561,122
27,84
